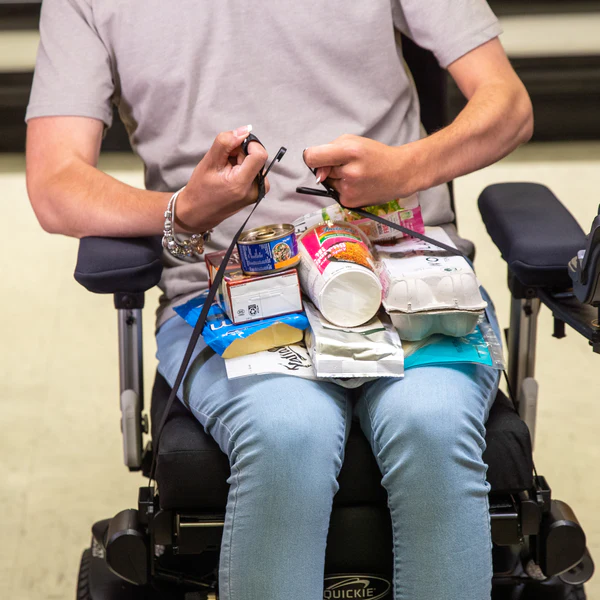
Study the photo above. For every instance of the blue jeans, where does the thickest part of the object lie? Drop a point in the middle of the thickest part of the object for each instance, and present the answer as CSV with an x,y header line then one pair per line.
x,y
285,438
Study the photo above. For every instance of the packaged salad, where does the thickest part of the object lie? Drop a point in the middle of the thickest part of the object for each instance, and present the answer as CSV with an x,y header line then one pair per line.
x,y
402,211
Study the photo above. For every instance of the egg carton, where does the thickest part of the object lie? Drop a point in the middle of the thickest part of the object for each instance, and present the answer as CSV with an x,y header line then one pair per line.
x,y
426,290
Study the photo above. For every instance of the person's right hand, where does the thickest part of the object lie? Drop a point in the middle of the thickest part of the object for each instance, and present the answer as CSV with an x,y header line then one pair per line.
x,y
222,183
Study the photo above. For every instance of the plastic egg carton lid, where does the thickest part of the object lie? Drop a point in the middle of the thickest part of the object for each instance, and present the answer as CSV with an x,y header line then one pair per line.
x,y
419,277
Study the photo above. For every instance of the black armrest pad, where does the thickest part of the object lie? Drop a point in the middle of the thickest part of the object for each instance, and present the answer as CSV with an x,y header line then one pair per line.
x,y
111,265
535,233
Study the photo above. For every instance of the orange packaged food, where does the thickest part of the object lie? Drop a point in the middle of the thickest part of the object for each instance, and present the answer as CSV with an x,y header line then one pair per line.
x,y
337,272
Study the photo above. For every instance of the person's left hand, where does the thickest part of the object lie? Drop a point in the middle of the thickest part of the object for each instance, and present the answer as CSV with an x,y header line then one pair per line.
x,y
364,172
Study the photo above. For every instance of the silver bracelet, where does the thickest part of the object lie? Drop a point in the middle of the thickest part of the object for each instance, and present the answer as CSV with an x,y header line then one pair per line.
x,y
184,249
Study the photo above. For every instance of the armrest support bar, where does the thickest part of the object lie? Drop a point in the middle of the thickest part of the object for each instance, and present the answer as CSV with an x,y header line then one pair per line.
x,y
131,379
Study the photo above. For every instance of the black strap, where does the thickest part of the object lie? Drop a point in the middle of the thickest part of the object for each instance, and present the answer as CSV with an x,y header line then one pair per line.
x,y
407,231
197,332
332,193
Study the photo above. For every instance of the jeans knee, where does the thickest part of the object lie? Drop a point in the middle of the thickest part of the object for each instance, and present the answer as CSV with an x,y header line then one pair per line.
x,y
436,441
299,455
444,426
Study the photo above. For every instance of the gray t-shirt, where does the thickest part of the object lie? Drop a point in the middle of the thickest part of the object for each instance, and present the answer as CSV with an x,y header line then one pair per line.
x,y
302,73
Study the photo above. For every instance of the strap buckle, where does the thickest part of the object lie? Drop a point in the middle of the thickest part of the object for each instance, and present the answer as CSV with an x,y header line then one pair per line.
x,y
260,178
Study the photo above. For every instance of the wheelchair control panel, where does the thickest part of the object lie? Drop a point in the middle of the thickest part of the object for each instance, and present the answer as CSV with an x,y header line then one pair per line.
x,y
580,308
584,269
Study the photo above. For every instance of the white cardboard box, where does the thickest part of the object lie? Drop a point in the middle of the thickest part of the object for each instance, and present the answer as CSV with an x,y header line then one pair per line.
x,y
253,297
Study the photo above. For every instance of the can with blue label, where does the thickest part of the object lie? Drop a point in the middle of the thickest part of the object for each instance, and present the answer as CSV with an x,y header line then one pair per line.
x,y
268,249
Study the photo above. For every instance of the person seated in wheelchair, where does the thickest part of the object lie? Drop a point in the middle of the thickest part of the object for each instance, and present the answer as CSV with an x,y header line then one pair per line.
x,y
329,78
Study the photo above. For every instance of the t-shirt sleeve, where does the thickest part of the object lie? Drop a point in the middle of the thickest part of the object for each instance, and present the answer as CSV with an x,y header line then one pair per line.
x,y
73,74
449,28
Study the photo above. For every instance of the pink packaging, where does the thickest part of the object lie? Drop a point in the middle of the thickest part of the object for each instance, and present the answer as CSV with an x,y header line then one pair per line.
x,y
404,211
337,272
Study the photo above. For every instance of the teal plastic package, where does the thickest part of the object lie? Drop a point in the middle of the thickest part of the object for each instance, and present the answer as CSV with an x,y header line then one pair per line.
x,y
481,347
219,332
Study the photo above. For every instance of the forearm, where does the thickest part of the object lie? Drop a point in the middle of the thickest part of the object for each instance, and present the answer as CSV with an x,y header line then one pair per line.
x,y
498,117
493,123
79,200
71,196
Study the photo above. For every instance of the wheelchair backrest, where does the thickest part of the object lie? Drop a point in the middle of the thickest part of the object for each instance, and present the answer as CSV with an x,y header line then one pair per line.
x,y
431,82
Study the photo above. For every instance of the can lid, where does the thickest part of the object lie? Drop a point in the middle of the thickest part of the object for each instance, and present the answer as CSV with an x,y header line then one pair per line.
x,y
266,233
351,297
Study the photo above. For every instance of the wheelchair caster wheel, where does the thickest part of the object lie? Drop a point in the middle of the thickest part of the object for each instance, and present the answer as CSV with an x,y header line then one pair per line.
x,y
83,581
581,572
576,593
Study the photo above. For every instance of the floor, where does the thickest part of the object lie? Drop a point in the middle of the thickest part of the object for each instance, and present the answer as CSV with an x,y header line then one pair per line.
x,y
61,462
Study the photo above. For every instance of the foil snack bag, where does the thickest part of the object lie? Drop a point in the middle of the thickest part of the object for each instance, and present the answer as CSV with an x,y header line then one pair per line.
x,y
371,350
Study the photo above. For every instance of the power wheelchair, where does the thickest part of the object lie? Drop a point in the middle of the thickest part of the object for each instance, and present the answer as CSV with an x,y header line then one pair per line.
x,y
168,546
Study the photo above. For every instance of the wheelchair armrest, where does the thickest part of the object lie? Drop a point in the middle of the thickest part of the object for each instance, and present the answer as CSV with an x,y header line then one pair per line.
x,y
535,233
119,265
125,267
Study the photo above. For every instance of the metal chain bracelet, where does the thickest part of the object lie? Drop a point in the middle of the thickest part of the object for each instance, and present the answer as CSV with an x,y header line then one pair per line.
x,y
184,249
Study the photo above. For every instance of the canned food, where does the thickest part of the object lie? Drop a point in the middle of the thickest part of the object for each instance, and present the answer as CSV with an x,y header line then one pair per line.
x,y
337,272
268,249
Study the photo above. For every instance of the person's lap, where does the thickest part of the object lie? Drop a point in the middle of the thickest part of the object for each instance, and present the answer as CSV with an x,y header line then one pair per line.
x,y
285,438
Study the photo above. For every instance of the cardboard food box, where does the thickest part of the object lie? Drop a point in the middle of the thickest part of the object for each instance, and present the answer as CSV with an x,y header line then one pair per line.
x,y
252,297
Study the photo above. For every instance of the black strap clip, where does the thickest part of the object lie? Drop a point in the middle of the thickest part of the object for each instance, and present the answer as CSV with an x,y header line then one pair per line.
x,y
328,191
260,178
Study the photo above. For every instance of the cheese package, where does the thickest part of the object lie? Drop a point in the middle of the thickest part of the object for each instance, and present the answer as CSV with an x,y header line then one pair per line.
x,y
230,341
248,298
426,290
286,360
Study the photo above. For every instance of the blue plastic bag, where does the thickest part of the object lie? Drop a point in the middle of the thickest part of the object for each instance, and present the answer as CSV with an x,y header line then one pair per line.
x,y
481,347
219,332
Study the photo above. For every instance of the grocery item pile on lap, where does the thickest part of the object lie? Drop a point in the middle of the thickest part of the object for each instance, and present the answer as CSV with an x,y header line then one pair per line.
x,y
332,295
